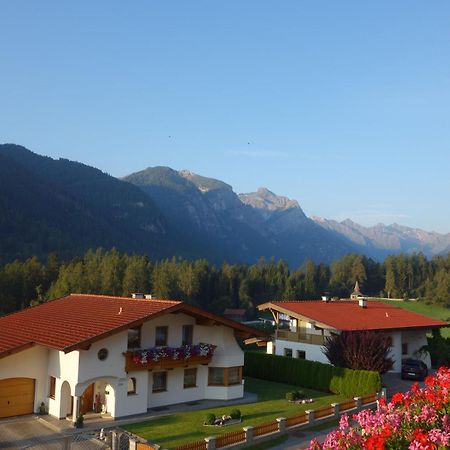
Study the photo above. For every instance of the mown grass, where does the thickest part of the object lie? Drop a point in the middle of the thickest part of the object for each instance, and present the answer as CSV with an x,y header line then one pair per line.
x,y
176,429
420,307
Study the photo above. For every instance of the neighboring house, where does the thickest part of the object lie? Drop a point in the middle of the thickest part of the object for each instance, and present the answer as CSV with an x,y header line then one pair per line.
x,y
116,355
236,314
303,326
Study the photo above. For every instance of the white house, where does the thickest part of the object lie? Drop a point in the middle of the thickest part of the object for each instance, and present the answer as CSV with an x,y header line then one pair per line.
x,y
117,356
302,327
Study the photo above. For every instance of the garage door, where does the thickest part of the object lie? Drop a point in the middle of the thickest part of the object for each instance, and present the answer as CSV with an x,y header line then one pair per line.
x,y
16,396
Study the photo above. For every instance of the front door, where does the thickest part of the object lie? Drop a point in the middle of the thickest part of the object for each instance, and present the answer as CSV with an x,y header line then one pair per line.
x,y
87,400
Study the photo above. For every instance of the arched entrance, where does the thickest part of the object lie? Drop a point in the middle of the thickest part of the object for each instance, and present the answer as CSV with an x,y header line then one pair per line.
x,y
65,407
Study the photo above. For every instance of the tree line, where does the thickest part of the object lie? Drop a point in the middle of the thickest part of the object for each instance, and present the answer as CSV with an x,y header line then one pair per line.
x,y
24,283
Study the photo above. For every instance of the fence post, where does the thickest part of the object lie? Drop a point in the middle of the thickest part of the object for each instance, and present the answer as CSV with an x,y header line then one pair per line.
x,y
132,444
248,434
358,402
310,414
335,409
66,443
210,443
281,424
114,440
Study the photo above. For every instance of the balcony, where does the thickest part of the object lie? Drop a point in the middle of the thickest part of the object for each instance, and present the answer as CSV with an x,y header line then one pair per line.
x,y
165,358
300,336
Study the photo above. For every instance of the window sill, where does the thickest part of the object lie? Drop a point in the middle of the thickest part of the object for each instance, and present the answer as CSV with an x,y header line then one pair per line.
x,y
189,387
159,391
130,394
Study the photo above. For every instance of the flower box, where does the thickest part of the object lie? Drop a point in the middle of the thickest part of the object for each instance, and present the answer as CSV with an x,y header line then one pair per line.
x,y
162,358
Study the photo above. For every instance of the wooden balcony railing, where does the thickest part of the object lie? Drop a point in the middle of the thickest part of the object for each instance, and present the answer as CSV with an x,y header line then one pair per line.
x,y
300,336
168,358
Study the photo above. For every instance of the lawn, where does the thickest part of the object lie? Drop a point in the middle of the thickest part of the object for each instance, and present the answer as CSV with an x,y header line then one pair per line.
x,y
420,307
176,429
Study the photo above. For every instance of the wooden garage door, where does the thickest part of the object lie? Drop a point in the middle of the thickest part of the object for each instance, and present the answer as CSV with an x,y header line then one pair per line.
x,y
16,396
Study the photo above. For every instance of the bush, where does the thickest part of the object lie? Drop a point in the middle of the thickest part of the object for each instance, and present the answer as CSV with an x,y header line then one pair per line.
x,y
294,395
235,414
210,419
290,396
311,374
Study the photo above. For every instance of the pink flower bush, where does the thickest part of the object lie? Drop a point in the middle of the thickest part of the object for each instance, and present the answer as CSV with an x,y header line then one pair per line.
x,y
417,420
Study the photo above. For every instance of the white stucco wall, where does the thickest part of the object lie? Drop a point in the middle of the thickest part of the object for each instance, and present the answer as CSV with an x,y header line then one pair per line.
x,y
416,339
29,363
396,350
81,368
312,352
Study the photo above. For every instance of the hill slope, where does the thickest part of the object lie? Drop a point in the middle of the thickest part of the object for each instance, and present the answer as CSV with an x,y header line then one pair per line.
x,y
51,205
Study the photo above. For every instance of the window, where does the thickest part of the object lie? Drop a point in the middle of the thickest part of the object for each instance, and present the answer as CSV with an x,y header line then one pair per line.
x,y
161,336
52,388
159,382
216,376
301,354
190,378
234,375
404,348
224,376
131,386
102,354
134,338
288,352
188,333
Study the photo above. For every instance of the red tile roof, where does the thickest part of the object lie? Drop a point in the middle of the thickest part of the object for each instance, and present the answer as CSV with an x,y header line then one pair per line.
x,y
76,320
348,315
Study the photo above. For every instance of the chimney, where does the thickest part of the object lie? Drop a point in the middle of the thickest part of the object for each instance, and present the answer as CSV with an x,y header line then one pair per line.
x,y
137,295
363,302
326,298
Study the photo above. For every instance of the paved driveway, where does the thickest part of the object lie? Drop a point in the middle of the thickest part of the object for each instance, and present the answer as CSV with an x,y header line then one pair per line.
x,y
24,431
394,383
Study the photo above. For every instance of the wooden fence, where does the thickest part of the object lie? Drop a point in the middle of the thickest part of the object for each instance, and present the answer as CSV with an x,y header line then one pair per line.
x,y
230,438
264,431
265,428
296,420
347,405
369,399
197,445
323,412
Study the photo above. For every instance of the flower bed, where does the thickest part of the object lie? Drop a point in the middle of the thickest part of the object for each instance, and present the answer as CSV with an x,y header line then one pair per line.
x,y
417,420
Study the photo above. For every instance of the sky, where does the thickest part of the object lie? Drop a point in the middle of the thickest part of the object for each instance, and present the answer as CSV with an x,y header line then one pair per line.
x,y
344,106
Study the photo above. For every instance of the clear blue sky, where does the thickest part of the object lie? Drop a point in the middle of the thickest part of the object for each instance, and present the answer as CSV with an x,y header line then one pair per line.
x,y
342,105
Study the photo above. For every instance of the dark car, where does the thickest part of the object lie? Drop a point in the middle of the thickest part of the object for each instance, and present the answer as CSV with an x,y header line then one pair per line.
x,y
414,369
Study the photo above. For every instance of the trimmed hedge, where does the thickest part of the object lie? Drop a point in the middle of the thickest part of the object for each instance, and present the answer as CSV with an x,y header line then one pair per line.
x,y
311,374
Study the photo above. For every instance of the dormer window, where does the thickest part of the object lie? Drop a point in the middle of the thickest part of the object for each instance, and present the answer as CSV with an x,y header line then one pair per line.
x,y
134,338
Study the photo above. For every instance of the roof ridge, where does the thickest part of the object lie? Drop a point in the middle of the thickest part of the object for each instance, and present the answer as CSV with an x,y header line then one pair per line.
x,y
121,297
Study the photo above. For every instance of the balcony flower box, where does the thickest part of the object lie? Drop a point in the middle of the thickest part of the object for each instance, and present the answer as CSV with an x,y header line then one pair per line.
x,y
169,357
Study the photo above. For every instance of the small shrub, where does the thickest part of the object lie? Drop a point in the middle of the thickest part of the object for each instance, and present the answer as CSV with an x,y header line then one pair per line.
x,y
290,396
299,395
210,419
294,395
235,414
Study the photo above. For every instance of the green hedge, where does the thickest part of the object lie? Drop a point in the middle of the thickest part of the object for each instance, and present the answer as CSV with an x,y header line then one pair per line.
x,y
311,374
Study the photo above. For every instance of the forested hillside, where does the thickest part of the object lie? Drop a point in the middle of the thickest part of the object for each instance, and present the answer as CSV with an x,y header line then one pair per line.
x,y
218,287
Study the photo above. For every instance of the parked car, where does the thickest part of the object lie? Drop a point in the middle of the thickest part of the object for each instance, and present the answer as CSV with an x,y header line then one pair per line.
x,y
414,369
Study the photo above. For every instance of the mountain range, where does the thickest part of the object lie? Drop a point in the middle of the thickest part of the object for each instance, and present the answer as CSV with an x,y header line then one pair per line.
x,y
49,205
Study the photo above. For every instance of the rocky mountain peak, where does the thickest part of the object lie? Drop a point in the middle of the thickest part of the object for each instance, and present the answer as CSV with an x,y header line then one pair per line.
x,y
267,200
